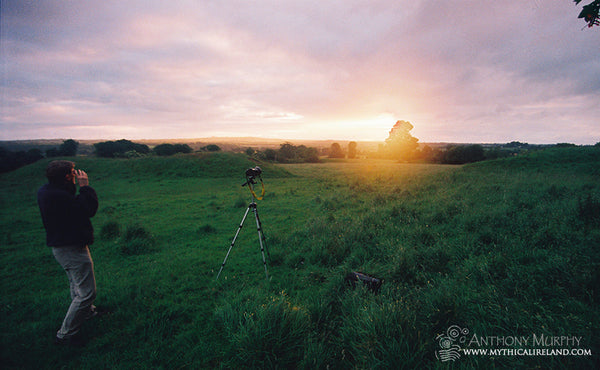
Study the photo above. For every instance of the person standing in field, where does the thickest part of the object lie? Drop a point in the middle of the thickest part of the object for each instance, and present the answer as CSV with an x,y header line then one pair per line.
x,y
69,232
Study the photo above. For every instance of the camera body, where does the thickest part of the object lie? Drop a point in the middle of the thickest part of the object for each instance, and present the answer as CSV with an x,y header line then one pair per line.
x,y
253,172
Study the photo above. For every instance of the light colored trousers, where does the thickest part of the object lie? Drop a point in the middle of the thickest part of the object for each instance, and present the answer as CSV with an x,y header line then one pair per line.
x,y
79,267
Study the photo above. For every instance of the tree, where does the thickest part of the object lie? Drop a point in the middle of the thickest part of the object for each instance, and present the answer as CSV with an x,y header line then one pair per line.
x,y
12,160
428,154
286,152
211,148
400,144
270,154
119,148
69,148
336,151
33,155
590,13
461,154
170,149
352,150
52,152
307,154
289,153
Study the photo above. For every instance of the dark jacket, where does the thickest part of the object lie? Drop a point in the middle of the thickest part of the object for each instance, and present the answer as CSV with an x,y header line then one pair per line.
x,y
66,216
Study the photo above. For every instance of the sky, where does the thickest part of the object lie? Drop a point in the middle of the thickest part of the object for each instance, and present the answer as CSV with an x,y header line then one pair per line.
x,y
458,70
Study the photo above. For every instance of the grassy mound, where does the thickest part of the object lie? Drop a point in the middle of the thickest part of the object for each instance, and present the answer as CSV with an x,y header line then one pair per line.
x,y
571,159
200,165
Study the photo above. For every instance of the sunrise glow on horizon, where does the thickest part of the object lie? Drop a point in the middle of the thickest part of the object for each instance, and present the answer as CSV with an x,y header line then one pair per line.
x,y
459,72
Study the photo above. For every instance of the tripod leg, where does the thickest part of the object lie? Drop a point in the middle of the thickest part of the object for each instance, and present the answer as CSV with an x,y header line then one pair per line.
x,y
260,240
233,241
262,234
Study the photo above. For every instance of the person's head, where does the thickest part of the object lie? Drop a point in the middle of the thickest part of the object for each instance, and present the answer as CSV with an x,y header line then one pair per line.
x,y
60,172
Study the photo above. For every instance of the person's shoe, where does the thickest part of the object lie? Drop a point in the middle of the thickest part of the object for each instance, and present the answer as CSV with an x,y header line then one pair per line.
x,y
73,341
96,312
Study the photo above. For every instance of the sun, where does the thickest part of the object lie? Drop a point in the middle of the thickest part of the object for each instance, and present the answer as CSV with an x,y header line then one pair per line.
x,y
352,129
371,129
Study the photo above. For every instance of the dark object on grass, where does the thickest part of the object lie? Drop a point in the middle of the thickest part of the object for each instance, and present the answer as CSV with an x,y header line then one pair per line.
x,y
371,282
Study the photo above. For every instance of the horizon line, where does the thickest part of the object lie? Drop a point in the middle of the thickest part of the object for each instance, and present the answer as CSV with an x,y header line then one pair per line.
x,y
284,140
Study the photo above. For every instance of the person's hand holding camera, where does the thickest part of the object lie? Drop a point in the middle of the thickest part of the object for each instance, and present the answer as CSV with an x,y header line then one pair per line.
x,y
82,178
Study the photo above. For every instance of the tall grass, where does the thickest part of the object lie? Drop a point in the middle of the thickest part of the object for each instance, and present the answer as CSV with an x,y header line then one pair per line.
x,y
506,247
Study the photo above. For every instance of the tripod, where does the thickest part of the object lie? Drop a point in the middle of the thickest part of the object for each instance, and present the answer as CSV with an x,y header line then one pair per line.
x,y
261,236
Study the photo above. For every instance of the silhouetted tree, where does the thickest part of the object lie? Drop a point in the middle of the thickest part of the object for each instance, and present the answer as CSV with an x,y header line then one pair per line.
x,y
516,144
68,148
211,148
12,160
290,153
270,154
33,155
336,151
427,154
119,148
565,145
590,13
462,154
400,144
352,149
286,152
170,149
307,154
52,152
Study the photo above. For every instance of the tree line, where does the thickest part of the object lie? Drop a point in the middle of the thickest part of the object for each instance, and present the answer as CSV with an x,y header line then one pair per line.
x,y
11,160
287,153
128,149
400,146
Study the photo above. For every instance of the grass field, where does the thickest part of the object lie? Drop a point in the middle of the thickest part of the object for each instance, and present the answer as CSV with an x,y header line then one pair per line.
x,y
507,248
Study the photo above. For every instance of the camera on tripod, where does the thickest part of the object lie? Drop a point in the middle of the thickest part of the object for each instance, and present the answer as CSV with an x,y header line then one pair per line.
x,y
251,174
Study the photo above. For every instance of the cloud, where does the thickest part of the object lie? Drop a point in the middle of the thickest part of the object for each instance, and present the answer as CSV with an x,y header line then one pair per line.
x,y
457,70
